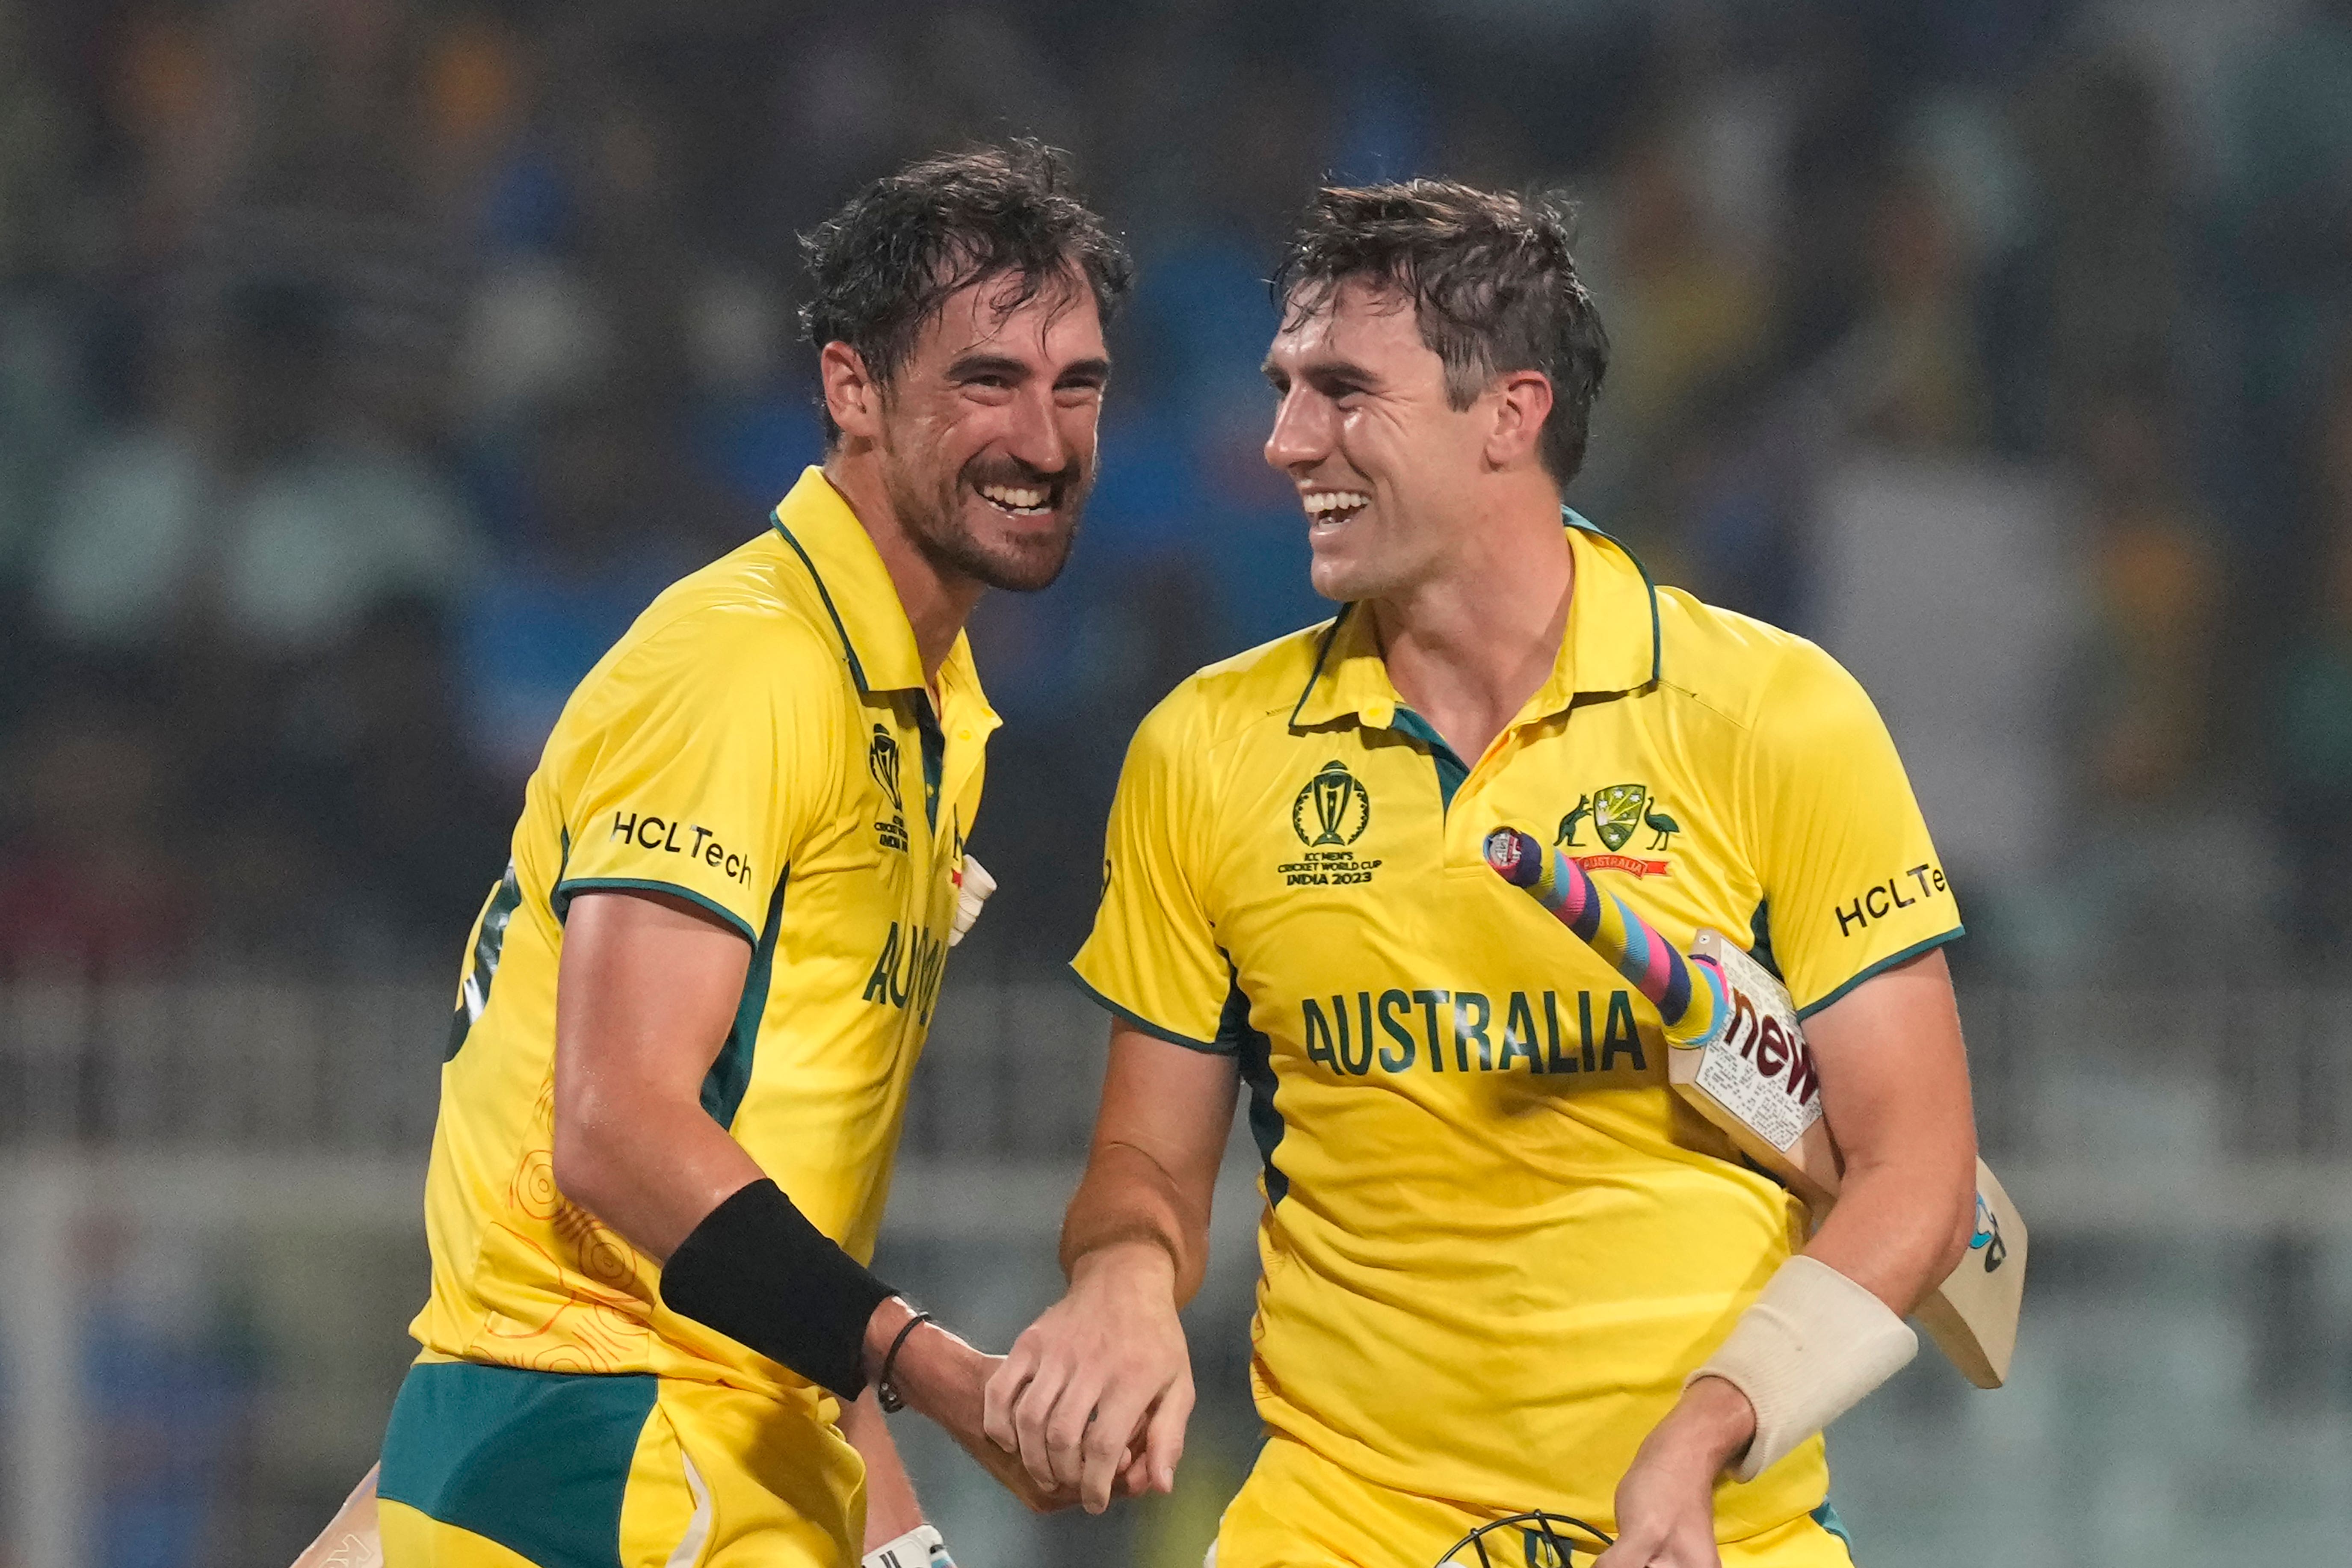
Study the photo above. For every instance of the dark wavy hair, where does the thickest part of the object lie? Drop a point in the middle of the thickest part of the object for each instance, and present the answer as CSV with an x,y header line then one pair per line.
x,y
1489,275
884,265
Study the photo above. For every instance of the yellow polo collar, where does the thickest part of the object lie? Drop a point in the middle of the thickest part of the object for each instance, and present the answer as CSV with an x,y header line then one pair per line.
x,y
855,587
1614,643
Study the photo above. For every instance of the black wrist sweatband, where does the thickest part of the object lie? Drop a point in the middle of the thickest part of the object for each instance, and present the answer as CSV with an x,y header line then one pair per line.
x,y
758,1271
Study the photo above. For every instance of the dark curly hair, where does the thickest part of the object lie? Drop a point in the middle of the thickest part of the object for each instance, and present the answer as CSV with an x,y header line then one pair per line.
x,y
885,264
1489,275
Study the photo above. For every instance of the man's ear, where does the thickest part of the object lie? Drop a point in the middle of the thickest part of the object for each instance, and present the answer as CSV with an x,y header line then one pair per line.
x,y
1522,403
852,396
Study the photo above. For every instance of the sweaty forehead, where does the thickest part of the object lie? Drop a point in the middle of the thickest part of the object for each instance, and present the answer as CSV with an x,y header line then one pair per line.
x,y
1057,321
1359,320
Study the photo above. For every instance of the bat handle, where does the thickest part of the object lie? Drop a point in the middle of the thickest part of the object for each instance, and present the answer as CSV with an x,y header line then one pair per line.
x,y
1689,993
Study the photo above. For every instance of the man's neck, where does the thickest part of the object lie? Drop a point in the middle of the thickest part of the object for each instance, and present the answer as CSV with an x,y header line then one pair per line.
x,y
937,604
1466,650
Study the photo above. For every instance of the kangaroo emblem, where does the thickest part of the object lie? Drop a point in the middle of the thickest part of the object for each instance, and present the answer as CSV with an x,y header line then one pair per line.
x,y
1567,834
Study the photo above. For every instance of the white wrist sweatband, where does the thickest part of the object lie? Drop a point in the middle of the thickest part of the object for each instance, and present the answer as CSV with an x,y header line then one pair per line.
x,y
919,1548
1805,1353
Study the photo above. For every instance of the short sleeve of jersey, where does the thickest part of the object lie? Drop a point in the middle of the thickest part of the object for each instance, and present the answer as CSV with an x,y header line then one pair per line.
x,y
700,761
1153,958
1851,882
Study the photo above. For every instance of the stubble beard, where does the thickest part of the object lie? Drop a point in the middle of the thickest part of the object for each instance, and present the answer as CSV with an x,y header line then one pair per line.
x,y
933,516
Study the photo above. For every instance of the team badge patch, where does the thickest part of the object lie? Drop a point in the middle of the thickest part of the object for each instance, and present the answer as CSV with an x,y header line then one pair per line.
x,y
1617,811
1616,815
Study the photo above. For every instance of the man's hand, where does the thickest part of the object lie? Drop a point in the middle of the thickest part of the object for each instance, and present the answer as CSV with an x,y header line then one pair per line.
x,y
941,1376
1665,1504
1095,1394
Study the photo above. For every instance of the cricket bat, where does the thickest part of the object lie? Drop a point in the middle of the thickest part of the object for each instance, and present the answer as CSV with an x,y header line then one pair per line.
x,y
1738,1057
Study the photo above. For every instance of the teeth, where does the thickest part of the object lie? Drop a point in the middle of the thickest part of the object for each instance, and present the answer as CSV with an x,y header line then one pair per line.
x,y
1013,497
1320,501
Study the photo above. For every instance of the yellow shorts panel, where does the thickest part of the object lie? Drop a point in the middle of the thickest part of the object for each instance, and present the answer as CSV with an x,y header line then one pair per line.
x,y
1298,1509
494,1467
414,1541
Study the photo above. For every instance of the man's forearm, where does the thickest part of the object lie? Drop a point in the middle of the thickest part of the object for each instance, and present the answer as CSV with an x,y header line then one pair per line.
x,y
891,1506
1897,1231
653,1174
1126,1198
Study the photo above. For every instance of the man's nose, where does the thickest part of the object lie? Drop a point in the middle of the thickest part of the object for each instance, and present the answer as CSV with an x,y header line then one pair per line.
x,y
1037,437
1301,436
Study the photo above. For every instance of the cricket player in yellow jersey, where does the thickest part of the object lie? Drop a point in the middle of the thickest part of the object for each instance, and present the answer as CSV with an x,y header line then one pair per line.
x,y
677,1067
1504,1268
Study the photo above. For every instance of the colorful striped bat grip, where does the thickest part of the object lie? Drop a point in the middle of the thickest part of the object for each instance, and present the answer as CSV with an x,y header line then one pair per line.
x,y
1688,993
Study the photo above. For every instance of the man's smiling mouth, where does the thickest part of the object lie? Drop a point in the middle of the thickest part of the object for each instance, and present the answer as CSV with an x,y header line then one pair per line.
x,y
1331,508
1020,500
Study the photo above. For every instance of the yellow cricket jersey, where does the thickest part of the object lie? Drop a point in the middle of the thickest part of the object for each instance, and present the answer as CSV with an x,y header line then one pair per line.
x,y
1494,1242
760,744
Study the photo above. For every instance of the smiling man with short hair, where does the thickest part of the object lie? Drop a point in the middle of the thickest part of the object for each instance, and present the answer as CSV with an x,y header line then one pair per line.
x,y
678,1063
1498,1252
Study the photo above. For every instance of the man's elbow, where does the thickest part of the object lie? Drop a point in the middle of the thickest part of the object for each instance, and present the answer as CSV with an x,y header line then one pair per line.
x,y
582,1157
1959,1226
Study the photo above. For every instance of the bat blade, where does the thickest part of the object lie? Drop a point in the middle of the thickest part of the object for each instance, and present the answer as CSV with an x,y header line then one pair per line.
x,y
1737,1055
1972,1316
1754,1080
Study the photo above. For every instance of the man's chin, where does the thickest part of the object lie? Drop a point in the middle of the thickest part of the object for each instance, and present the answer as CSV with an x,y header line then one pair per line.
x,y
1017,566
1342,582
1024,576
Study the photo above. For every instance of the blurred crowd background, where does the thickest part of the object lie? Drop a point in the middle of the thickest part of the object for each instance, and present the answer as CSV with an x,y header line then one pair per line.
x,y
366,365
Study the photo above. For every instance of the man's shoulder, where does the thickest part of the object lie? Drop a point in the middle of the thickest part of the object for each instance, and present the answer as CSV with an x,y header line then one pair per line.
x,y
755,603
1263,684
1735,665
747,627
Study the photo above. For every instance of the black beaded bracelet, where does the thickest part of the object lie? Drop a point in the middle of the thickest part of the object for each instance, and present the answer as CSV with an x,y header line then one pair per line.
x,y
885,1392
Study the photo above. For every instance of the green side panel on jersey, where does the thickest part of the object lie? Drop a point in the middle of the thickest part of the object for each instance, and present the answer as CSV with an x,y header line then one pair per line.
x,y
1256,1061
731,1071
490,940
536,1461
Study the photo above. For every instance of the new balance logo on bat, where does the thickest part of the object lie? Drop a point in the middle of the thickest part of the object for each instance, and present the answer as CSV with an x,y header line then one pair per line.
x,y
1986,1236
1758,1038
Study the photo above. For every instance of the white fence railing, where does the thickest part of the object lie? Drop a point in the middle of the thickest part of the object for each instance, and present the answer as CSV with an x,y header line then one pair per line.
x,y
2062,1077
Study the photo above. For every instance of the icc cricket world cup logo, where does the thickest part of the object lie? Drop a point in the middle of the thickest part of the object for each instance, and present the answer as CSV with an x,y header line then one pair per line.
x,y
1335,805
882,761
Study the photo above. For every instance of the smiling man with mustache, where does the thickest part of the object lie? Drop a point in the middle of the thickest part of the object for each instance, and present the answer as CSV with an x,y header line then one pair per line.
x,y
679,1061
